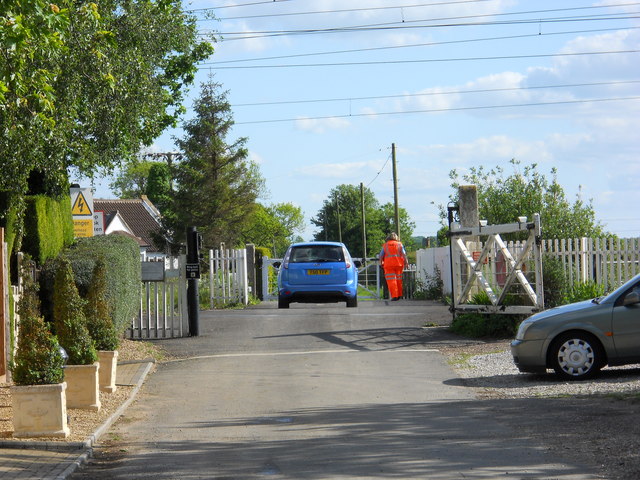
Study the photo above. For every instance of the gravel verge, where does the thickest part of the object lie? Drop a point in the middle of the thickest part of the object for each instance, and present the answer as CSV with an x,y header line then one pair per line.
x,y
594,422
83,423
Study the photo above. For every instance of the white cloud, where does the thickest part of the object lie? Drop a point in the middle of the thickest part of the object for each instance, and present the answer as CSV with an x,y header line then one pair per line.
x,y
321,125
334,170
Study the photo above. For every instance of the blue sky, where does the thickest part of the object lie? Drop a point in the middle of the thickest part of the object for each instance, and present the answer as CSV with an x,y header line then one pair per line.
x,y
454,84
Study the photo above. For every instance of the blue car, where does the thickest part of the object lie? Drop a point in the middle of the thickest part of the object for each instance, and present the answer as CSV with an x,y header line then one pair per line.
x,y
317,272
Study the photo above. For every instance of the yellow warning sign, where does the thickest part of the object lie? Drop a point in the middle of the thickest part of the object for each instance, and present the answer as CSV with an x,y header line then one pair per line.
x,y
83,228
80,206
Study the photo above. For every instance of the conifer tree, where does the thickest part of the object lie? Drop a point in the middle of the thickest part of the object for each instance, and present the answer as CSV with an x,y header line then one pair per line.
x,y
38,359
99,323
69,318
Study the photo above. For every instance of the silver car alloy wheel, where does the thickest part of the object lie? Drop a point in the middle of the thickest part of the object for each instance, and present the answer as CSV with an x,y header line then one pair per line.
x,y
576,357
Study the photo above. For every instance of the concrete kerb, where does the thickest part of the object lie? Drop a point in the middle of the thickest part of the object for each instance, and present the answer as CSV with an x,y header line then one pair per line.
x,y
86,447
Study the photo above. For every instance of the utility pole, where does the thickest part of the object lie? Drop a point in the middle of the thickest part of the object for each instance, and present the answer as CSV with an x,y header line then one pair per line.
x,y
339,222
364,225
396,211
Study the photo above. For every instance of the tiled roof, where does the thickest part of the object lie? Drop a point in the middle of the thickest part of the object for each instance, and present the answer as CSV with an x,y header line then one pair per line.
x,y
140,215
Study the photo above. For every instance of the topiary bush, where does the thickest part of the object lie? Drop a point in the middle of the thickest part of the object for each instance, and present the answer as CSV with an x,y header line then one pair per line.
x,y
99,321
38,359
69,318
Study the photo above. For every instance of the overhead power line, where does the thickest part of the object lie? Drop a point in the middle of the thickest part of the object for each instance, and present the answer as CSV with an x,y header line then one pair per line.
x,y
424,60
441,110
244,35
428,44
264,2
422,5
446,92
351,10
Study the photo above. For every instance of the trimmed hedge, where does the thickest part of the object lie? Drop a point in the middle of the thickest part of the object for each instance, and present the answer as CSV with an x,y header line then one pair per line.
x,y
48,226
121,257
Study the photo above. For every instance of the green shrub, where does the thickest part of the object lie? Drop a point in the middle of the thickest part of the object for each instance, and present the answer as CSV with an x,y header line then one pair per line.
x,y
38,359
555,282
121,257
478,325
585,291
99,322
432,288
69,319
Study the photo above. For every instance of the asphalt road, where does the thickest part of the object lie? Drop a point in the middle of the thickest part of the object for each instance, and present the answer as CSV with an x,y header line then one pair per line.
x,y
318,392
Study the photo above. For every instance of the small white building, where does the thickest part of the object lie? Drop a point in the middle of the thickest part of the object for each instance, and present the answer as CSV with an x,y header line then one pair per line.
x,y
139,219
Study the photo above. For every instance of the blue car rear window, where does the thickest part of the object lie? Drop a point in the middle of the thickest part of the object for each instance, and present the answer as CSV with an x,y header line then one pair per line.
x,y
316,253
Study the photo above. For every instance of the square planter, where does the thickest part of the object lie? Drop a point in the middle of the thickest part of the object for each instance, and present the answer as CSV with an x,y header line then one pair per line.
x,y
83,386
108,370
39,411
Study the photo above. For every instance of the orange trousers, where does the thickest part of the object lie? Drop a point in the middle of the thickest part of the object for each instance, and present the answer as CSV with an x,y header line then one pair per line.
x,y
393,276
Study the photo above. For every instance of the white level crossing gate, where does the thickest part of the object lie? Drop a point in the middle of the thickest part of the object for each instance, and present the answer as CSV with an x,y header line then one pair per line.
x,y
505,279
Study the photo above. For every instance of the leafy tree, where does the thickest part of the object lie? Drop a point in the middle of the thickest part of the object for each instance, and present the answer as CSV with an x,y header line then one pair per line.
x,y
216,185
82,86
275,226
502,198
132,180
341,217
159,186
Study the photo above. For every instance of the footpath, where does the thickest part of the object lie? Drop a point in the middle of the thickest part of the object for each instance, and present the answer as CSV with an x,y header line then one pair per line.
x,y
37,460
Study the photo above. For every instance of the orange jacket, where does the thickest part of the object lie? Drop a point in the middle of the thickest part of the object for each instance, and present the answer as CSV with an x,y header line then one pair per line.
x,y
393,254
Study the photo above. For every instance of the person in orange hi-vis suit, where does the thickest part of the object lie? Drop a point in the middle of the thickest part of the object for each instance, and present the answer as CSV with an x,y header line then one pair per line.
x,y
393,259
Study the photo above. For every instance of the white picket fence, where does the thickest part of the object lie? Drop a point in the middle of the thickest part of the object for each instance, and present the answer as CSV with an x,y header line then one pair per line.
x,y
608,262
228,277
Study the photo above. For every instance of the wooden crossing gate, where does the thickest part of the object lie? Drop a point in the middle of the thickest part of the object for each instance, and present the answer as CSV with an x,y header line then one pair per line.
x,y
509,281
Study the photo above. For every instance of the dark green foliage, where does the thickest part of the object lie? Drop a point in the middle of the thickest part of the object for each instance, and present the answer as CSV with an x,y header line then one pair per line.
x,y
159,188
9,219
217,185
48,226
69,319
477,325
99,322
555,282
38,360
121,256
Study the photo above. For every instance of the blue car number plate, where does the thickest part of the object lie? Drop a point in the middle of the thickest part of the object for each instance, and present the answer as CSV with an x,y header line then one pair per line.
x,y
318,272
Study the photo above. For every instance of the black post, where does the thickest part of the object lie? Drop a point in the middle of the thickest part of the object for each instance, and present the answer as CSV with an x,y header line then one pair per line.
x,y
193,275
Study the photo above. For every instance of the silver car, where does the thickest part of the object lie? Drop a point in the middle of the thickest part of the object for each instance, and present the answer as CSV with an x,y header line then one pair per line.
x,y
577,340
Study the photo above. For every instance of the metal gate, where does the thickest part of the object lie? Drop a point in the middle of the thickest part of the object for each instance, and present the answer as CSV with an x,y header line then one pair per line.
x,y
163,300
509,280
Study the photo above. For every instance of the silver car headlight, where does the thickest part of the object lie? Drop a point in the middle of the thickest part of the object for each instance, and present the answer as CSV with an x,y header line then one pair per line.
x,y
522,330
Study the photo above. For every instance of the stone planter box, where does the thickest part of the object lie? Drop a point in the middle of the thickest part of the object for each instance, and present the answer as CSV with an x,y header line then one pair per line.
x,y
83,386
108,370
39,411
